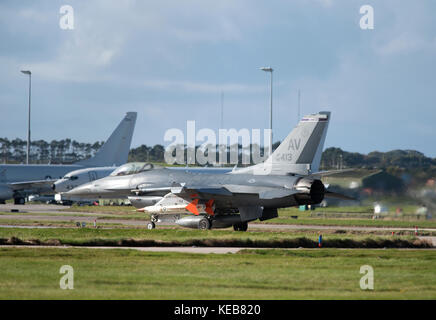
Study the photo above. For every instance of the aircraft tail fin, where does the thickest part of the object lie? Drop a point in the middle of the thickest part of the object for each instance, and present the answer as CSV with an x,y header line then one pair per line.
x,y
116,149
300,152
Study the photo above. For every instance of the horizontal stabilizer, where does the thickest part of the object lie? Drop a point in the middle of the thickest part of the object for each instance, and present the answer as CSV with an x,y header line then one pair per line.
x,y
47,183
330,172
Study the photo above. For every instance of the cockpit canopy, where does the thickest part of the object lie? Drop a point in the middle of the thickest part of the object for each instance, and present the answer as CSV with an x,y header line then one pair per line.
x,y
70,177
132,168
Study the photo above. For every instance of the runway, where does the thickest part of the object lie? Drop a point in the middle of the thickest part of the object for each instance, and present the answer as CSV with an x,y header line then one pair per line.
x,y
90,217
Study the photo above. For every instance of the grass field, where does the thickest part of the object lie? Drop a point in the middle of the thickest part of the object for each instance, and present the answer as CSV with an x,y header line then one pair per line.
x,y
252,274
80,235
208,238
353,222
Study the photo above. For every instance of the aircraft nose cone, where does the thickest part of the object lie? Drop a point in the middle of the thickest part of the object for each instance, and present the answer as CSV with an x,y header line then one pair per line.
x,y
81,190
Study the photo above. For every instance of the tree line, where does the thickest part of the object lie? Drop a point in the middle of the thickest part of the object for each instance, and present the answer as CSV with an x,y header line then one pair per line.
x,y
69,151
41,152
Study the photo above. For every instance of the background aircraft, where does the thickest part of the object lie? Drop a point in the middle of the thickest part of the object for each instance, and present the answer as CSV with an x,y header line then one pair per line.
x,y
76,178
289,177
19,180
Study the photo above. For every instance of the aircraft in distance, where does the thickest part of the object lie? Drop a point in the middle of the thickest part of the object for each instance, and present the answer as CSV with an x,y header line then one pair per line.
x,y
19,180
76,178
289,177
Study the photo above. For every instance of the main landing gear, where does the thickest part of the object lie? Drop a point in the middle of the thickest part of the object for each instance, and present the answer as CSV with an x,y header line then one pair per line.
x,y
243,226
204,224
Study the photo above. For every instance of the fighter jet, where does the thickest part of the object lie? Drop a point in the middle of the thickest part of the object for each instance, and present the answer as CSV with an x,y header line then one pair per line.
x,y
19,180
76,178
80,177
289,177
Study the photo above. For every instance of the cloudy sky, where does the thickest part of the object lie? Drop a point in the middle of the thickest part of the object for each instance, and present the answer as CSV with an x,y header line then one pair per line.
x,y
170,61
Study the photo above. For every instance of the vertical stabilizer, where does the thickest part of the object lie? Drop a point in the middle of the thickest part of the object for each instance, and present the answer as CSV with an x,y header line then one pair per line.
x,y
115,150
300,152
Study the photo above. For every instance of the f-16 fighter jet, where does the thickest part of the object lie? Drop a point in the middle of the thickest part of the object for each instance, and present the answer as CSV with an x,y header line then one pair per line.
x,y
289,177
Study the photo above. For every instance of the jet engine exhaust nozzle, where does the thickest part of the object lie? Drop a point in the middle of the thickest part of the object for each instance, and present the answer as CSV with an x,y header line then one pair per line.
x,y
310,191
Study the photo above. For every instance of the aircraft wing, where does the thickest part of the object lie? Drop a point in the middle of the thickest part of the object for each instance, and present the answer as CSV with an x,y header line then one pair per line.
x,y
230,190
33,184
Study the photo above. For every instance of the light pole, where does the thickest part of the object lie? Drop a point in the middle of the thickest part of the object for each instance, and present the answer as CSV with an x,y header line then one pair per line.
x,y
28,124
270,70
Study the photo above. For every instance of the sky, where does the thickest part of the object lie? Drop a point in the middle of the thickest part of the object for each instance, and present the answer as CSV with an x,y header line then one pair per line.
x,y
170,61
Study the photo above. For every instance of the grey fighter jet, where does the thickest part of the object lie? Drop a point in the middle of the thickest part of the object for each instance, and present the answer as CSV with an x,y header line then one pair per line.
x,y
20,180
289,177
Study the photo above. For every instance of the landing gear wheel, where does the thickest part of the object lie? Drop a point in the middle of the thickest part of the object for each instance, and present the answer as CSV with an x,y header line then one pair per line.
x,y
204,224
243,226
151,225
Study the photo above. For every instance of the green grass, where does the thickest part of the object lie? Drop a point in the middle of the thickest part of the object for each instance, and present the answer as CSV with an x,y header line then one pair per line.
x,y
80,235
29,273
309,218
210,238
353,222
364,209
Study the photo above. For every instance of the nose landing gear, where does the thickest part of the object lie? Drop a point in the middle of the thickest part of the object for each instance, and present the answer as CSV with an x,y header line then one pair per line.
x,y
151,225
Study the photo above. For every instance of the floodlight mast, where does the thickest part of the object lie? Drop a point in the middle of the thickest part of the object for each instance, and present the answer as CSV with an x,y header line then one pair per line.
x,y
270,70
28,123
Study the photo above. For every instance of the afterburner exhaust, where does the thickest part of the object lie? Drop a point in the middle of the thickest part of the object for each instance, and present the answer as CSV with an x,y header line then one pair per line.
x,y
310,191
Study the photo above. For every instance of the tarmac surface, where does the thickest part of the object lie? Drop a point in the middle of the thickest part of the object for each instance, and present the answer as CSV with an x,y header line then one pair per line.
x,y
89,217
201,250
204,250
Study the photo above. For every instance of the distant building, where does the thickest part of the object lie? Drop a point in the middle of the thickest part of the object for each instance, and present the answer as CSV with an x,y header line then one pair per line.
x,y
430,183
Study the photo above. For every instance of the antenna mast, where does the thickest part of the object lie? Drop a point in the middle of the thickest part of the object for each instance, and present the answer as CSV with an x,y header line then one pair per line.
x,y
299,99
